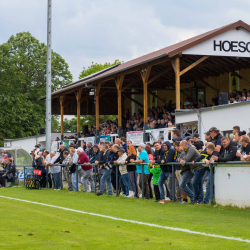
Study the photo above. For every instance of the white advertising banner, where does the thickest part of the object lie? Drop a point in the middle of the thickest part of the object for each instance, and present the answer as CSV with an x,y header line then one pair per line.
x,y
136,137
88,139
231,43
165,134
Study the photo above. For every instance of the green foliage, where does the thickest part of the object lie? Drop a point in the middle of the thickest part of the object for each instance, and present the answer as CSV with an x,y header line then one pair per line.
x,y
23,81
71,125
96,68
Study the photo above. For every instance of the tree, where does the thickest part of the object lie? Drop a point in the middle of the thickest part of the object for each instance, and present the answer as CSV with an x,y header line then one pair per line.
x,y
71,125
93,68
23,82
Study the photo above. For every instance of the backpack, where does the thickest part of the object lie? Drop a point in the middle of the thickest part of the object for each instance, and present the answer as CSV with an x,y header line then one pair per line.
x,y
72,168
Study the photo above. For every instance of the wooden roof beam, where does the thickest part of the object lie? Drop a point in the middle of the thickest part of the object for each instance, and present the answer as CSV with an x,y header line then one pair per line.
x,y
193,65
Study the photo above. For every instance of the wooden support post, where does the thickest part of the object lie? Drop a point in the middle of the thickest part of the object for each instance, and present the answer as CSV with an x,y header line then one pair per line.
x,y
119,82
61,100
97,93
78,95
177,83
145,75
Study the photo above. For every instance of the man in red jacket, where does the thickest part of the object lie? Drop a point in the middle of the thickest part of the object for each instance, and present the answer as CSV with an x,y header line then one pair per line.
x,y
87,170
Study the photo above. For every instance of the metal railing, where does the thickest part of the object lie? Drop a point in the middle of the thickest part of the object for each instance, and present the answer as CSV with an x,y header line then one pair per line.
x,y
173,164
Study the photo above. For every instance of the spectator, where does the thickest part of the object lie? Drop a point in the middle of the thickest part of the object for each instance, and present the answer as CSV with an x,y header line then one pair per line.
x,y
123,170
114,148
89,150
55,170
215,134
229,150
177,135
124,144
37,150
66,162
74,156
155,171
236,129
188,154
245,149
143,158
206,158
102,160
132,170
8,173
197,143
150,158
87,170
60,157
46,157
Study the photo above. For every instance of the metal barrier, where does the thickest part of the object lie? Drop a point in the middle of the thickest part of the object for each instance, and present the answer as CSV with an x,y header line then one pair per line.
x,y
173,164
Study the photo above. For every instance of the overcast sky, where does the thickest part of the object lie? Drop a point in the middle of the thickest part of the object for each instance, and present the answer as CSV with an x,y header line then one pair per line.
x,y
102,31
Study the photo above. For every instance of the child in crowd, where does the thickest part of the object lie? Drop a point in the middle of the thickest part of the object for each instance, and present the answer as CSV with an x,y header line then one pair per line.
x,y
156,170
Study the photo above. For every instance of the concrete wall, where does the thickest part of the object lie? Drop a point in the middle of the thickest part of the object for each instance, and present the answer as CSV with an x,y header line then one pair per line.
x,y
232,185
223,117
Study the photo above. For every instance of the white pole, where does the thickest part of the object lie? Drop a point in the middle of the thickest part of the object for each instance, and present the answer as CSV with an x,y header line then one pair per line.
x,y
48,83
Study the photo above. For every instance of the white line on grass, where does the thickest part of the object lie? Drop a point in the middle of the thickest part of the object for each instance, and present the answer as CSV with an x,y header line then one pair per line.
x,y
132,221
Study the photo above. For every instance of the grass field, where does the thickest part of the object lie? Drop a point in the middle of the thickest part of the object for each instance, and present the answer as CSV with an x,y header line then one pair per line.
x,y
33,226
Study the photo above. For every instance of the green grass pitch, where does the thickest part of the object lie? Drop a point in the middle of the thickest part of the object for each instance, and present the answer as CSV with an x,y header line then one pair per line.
x,y
32,226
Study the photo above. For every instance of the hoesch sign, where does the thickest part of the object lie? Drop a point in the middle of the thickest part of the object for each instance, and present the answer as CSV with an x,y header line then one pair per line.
x,y
232,46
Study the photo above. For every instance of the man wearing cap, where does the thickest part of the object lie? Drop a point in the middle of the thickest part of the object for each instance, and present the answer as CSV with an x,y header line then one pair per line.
x,y
216,135
87,170
197,143
208,138
143,158
124,179
107,169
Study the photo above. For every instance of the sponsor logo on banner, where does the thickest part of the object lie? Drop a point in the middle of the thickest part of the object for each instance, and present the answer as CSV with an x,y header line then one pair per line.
x,y
136,137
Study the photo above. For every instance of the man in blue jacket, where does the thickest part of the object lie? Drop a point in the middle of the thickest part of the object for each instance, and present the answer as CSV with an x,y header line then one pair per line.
x,y
166,156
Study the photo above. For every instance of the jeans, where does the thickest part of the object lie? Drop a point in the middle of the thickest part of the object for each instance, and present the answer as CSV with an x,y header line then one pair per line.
x,y
88,178
146,186
106,177
198,184
69,180
162,178
122,184
186,184
177,187
207,195
127,186
75,185
56,180
132,175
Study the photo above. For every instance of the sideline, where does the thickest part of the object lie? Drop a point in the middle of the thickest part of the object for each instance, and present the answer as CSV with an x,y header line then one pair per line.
x,y
131,221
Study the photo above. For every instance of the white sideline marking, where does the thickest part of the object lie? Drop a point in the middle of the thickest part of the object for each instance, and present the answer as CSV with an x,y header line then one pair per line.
x,y
132,221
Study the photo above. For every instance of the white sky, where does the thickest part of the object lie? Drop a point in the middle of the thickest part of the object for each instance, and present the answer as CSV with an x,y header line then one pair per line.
x,y
104,30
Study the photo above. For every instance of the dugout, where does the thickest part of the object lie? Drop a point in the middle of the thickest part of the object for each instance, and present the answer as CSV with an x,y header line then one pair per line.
x,y
196,68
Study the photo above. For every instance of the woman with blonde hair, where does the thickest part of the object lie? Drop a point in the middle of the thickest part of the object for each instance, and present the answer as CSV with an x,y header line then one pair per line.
x,y
132,170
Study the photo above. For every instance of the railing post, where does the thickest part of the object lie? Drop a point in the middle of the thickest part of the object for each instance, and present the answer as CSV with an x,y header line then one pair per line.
x,y
211,185
24,175
47,176
142,180
77,178
116,178
95,177
173,184
61,179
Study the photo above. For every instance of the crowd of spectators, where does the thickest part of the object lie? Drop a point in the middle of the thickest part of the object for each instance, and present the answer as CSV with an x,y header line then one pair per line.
x,y
106,158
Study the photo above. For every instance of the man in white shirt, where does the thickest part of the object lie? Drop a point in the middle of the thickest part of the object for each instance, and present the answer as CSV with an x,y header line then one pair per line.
x,y
55,170
74,156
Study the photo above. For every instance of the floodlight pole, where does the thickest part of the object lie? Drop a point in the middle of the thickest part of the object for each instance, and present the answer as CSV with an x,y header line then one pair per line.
x,y
48,82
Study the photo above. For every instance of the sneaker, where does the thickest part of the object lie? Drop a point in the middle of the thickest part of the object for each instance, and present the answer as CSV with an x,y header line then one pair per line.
x,y
193,201
203,203
184,202
167,199
98,194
